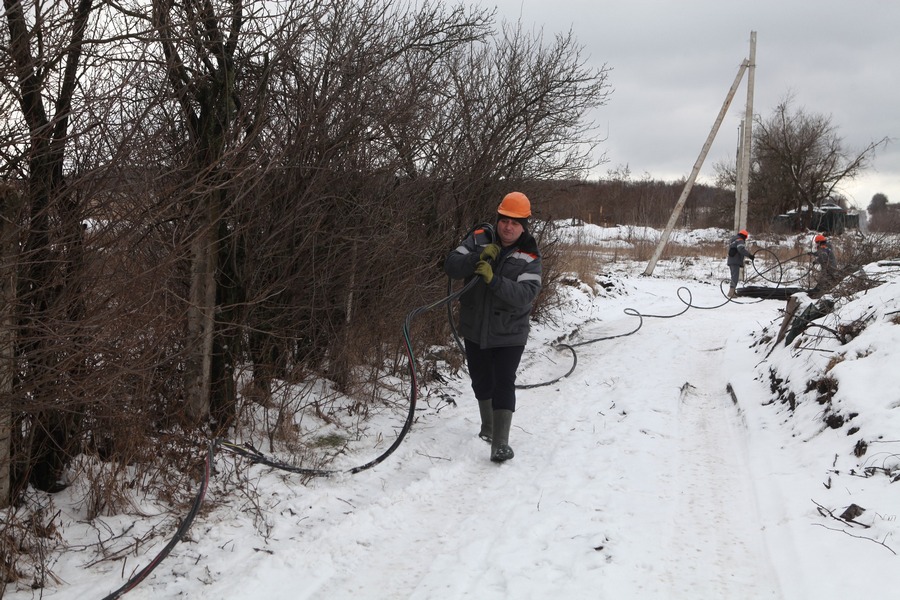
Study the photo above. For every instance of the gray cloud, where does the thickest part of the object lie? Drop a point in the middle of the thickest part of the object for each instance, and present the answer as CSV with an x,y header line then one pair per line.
x,y
673,63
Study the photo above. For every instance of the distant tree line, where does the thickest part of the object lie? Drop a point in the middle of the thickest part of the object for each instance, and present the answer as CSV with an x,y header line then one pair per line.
x,y
798,162
620,200
883,216
199,194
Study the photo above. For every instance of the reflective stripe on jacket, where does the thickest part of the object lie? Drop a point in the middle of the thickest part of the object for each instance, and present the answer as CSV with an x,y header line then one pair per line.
x,y
737,251
498,314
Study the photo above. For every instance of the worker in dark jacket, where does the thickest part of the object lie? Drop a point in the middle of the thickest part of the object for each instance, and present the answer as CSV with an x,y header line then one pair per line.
x,y
825,259
737,252
494,313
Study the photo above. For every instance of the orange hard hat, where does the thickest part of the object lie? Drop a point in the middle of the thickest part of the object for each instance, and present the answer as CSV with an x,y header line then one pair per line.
x,y
515,205
819,239
744,233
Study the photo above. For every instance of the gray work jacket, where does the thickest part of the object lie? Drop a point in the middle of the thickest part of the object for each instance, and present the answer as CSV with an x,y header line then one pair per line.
x,y
497,315
737,251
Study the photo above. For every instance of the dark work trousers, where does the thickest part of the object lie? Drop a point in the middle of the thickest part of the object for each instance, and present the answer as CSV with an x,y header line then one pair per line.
x,y
735,274
493,373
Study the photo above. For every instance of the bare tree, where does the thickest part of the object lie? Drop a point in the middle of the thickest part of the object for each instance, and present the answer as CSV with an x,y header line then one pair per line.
x,y
516,110
214,58
800,161
878,203
43,53
883,216
10,205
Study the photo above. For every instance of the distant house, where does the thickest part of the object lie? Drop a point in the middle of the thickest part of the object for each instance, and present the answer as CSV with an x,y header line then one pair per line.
x,y
828,218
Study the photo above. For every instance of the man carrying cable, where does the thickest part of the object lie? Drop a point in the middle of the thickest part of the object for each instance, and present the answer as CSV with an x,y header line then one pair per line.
x,y
494,313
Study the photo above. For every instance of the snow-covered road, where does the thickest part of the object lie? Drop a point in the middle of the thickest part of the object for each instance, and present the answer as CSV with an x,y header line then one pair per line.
x,y
683,516
630,480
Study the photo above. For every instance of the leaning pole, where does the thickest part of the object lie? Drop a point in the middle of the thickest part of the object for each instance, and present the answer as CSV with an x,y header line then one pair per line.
x,y
676,212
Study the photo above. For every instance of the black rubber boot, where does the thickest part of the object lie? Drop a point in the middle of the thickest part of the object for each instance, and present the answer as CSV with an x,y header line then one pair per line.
x,y
500,450
487,421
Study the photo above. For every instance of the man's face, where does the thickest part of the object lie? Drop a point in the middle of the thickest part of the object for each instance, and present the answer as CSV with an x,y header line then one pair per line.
x,y
509,231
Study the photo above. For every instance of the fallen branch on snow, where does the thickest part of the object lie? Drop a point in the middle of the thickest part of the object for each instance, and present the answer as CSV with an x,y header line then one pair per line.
x,y
861,537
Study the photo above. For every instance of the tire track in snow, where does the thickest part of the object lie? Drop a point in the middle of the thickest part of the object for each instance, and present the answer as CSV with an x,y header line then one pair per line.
x,y
717,517
687,521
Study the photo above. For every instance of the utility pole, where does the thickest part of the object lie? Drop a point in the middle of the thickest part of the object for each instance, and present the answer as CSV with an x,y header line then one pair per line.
x,y
738,177
676,212
746,139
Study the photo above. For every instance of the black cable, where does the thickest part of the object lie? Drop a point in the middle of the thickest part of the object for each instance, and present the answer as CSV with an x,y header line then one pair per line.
x,y
179,533
256,456
688,304
568,347
779,264
260,458
492,234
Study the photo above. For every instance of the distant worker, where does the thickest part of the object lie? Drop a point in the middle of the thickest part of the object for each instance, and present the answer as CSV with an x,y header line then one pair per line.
x,y
737,252
825,259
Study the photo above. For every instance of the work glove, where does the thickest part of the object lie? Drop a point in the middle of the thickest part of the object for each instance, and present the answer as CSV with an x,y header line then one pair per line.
x,y
484,269
490,252
752,257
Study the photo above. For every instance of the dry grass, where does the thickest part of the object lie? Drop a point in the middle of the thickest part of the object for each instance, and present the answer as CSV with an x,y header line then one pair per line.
x,y
586,260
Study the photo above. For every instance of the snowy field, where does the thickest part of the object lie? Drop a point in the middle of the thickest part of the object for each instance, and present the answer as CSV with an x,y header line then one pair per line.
x,y
696,458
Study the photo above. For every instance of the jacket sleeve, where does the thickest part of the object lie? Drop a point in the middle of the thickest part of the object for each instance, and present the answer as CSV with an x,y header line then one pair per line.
x,y
521,291
460,263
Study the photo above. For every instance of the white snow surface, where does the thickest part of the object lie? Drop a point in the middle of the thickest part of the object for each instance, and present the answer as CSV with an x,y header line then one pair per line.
x,y
668,464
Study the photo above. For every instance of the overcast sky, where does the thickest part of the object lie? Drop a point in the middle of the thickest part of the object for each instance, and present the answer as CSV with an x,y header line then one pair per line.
x,y
674,62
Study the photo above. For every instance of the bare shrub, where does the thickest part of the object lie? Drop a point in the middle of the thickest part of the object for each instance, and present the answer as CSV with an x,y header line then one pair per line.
x,y
858,250
27,541
834,361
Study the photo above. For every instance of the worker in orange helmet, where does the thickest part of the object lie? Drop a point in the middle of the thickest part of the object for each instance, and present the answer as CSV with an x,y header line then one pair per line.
x,y
737,252
824,257
494,313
